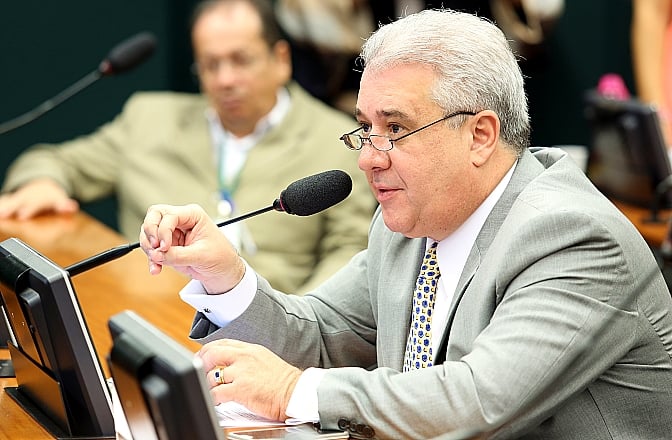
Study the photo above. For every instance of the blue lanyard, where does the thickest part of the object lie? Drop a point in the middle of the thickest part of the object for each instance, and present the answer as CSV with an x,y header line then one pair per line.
x,y
225,205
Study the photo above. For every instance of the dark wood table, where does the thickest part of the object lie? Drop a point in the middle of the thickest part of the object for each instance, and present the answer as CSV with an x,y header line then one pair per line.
x,y
103,291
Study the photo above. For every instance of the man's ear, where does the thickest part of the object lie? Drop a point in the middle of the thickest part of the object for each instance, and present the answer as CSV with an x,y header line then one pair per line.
x,y
283,59
485,136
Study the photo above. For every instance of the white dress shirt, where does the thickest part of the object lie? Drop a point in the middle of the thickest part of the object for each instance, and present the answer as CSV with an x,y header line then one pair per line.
x,y
230,153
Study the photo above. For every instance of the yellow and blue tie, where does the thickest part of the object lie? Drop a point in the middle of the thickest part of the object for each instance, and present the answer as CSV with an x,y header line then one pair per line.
x,y
419,345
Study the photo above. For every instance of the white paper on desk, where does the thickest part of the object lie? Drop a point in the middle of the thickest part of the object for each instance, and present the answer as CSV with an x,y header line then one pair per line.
x,y
235,415
229,415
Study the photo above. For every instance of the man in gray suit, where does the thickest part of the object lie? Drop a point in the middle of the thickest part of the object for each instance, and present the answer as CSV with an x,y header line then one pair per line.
x,y
551,319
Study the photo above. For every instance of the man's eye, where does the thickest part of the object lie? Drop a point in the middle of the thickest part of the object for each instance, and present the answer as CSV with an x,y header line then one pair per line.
x,y
395,129
365,128
242,61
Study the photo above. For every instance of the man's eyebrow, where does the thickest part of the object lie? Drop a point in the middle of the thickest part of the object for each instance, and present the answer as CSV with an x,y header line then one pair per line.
x,y
387,114
393,113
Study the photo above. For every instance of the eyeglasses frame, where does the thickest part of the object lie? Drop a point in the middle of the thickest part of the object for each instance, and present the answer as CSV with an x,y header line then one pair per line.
x,y
391,141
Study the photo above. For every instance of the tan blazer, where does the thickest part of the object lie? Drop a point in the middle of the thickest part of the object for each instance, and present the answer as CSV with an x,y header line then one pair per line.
x,y
158,150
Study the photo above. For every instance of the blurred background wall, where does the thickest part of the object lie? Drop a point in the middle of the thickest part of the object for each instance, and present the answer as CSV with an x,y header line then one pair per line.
x,y
47,46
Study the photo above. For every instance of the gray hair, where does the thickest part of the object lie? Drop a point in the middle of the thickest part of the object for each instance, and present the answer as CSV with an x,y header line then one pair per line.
x,y
476,68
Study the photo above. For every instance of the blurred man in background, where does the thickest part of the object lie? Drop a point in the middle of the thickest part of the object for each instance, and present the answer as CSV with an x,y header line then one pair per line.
x,y
231,150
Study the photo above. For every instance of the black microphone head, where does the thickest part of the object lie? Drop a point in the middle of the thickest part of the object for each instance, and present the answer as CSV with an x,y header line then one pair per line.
x,y
315,193
128,54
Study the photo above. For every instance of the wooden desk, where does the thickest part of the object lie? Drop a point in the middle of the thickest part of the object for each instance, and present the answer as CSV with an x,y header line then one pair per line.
x,y
653,233
102,292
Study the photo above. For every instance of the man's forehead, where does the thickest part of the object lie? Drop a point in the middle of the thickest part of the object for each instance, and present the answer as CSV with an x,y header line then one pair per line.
x,y
237,18
399,92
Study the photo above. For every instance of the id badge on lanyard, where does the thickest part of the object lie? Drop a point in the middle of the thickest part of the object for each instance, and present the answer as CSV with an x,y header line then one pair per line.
x,y
225,206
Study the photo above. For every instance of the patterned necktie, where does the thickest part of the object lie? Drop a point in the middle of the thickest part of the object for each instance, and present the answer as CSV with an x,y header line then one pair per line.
x,y
419,344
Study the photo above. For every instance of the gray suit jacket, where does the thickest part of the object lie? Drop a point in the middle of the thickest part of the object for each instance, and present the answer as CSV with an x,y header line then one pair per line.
x,y
560,327
158,150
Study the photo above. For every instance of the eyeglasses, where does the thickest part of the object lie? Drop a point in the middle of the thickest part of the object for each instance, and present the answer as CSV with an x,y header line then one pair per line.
x,y
356,142
239,64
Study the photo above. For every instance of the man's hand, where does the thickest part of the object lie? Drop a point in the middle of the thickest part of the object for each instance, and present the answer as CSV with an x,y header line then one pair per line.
x,y
185,238
251,375
36,197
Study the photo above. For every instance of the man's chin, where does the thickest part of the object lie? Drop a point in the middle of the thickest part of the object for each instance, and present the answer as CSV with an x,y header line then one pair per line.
x,y
396,222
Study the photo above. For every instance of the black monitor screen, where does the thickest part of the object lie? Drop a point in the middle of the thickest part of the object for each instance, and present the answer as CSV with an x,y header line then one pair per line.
x,y
161,385
4,329
628,158
60,380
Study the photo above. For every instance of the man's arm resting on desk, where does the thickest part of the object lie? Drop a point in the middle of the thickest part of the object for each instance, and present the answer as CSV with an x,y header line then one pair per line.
x,y
220,310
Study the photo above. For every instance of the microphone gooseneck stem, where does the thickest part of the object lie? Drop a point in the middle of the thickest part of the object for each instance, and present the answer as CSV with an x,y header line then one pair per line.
x,y
245,216
103,257
119,251
51,103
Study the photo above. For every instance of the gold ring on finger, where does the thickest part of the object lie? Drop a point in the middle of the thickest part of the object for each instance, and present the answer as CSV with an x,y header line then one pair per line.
x,y
219,375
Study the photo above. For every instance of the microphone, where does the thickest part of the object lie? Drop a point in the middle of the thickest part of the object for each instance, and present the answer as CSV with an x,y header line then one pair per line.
x,y
123,57
128,54
304,197
315,193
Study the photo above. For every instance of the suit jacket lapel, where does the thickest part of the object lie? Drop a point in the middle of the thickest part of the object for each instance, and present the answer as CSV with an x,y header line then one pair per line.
x,y
527,169
194,144
398,289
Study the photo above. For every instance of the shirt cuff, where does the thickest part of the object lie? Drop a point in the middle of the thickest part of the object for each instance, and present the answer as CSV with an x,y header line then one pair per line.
x,y
302,406
223,308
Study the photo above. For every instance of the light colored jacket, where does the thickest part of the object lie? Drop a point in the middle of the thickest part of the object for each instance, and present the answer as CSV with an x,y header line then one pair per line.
x,y
158,150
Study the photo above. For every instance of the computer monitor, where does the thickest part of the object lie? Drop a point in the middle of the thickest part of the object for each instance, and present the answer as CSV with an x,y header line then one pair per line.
x,y
161,385
6,367
628,157
60,380
5,336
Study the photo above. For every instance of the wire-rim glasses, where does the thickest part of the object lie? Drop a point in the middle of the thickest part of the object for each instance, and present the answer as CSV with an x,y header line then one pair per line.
x,y
355,141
